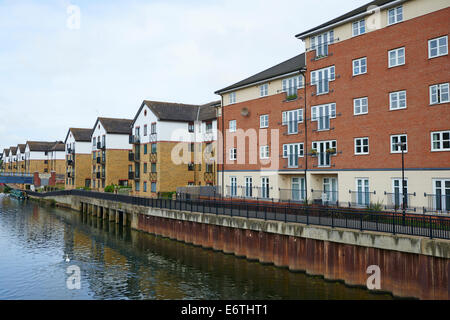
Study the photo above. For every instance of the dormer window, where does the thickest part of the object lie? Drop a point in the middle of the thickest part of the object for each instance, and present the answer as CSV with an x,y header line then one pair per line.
x,y
395,15
232,97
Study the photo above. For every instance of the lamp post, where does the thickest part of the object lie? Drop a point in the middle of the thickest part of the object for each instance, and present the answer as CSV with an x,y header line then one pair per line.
x,y
402,145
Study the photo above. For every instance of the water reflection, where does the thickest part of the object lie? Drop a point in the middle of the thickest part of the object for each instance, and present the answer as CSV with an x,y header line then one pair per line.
x,y
118,263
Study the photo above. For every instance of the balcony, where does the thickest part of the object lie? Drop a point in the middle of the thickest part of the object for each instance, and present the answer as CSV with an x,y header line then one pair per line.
x,y
98,175
130,175
137,157
134,139
99,160
70,163
292,195
438,203
70,151
69,174
325,198
103,175
361,199
137,176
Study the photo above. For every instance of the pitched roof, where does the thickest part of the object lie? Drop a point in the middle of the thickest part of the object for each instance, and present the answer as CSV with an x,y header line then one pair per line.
x,y
169,111
6,152
21,147
58,146
350,14
291,65
40,145
13,151
115,126
81,134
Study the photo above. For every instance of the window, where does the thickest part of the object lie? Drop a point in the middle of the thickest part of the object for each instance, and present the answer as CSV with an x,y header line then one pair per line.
x,y
191,166
145,186
397,192
232,97
362,192
395,15
292,119
321,78
153,128
232,125
153,148
264,152
209,127
440,141
145,149
292,152
396,57
322,114
395,143
298,189
320,43
361,146
137,186
153,167
439,93
438,47
265,187
94,143
264,90
264,121
145,167
137,131
145,130
359,66
153,187
360,106
291,85
359,27
248,187
191,127
397,100
233,188
324,150
233,154
441,189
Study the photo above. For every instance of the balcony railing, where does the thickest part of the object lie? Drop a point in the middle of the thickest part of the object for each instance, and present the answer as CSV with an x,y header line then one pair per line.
x,y
70,151
361,198
291,93
249,192
325,197
395,201
134,139
70,163
294,195
137,175
439,203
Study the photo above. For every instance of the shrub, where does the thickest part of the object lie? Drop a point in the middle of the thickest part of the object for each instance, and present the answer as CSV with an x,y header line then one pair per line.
x,y
110,189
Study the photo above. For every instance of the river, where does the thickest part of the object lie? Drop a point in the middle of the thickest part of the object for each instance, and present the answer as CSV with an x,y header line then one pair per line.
x,y
40,246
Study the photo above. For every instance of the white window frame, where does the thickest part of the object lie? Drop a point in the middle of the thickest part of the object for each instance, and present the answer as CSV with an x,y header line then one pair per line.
x,y
322,78
365,191
232,125
292,84
264,90
397,94
358,26
248,187
396,11
399,140
233,186
439,88
362,145
232,97
331,114
264,121
301,150
323,41
323,156
265,187
361,105
264,152
397,54
358,65
285,120
438,47
233,154
440,140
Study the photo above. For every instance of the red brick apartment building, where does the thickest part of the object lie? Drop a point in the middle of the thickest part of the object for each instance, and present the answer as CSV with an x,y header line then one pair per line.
x,y
377,79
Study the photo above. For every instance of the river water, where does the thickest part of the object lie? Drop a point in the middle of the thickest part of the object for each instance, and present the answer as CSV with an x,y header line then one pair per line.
x,y
40,246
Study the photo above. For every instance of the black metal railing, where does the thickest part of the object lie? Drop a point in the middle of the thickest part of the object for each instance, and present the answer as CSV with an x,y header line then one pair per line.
x,y
295,195
433,226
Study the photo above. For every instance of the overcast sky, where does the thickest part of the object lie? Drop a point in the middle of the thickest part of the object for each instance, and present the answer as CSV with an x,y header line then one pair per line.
x,y
54,76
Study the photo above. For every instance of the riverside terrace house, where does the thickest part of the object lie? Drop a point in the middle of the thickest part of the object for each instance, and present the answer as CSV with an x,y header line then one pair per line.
x,y
110,149
5,159
13,159
39,156
370,92
157,129
20,158
78,158
57,158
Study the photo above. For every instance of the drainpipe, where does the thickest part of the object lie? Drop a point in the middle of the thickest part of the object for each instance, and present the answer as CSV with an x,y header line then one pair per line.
x,y
223,144
305,119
